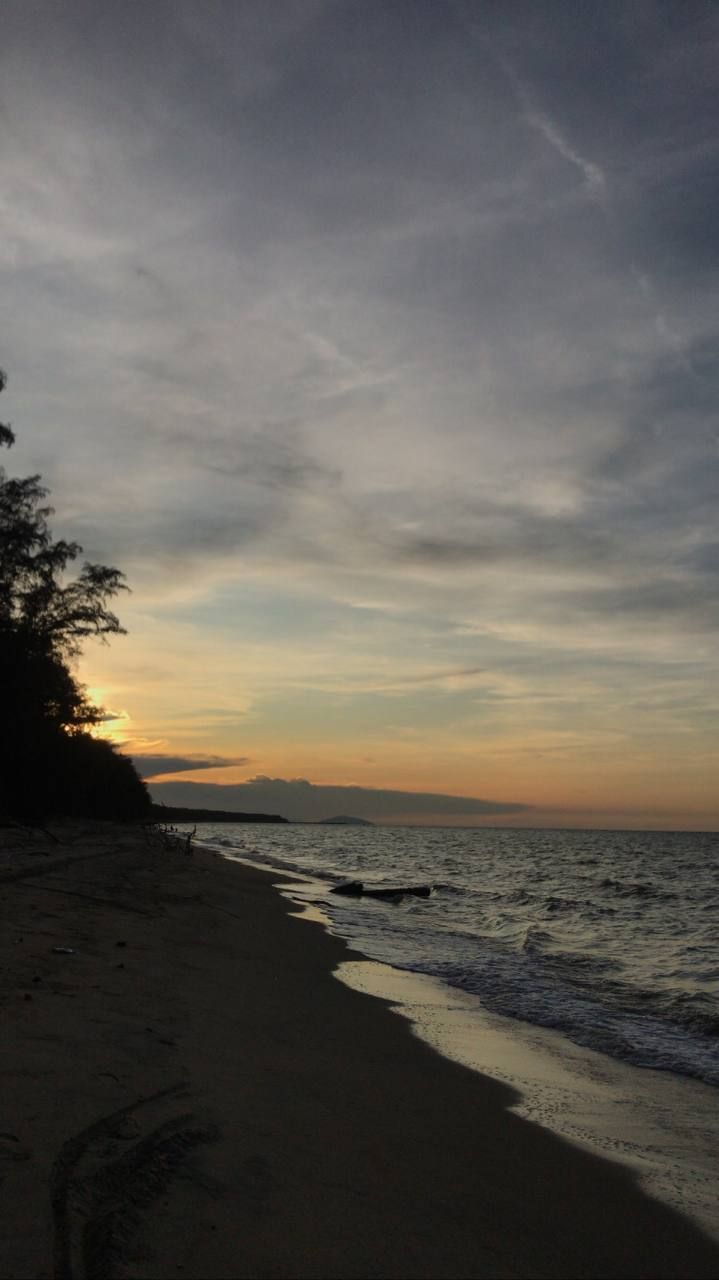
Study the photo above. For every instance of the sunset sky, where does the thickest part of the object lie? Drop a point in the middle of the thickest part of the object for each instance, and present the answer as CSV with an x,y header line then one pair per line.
x,y
377,342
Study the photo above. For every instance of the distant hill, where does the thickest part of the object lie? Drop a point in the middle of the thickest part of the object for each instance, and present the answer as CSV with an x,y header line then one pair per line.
x,y
342,820
170,813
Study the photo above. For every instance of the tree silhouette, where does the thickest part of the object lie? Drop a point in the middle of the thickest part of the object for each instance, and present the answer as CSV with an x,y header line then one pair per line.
x,y
48,761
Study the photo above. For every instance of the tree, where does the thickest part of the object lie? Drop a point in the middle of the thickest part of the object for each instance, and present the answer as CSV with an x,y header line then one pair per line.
x,y
44,618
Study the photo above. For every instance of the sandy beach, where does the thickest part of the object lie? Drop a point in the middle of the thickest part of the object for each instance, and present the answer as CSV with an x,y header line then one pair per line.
x,y
187,1090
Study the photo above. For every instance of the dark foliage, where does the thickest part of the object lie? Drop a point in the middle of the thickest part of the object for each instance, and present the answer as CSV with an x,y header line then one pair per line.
x,y
49,763
97,782
175,813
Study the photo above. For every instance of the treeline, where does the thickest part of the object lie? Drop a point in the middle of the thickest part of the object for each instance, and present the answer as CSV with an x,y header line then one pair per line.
x,y
50,763
174,813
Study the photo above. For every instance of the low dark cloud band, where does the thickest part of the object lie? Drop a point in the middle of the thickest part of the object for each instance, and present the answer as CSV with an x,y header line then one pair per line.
x,y
153,766
305,801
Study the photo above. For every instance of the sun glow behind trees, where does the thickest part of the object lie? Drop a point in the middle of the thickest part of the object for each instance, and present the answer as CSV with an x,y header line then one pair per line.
x,y
50,763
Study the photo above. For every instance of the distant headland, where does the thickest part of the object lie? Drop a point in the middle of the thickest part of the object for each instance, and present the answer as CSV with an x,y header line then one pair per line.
x,y
342,820
171,813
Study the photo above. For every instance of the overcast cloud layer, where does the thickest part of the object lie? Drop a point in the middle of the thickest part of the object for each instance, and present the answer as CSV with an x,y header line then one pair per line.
x,y
378,343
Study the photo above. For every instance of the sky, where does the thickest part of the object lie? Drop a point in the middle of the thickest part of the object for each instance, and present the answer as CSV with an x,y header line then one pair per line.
x,y
377,343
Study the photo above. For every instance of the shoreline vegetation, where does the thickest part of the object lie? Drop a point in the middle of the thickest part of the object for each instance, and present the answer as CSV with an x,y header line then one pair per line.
x,y
189,1090
52,764
175,813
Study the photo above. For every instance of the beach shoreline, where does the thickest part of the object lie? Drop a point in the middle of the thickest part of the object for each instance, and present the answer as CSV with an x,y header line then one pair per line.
x,y
661,1125
187,1089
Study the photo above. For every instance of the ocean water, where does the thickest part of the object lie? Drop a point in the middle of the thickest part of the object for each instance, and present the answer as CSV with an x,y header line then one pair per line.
x,y
611,938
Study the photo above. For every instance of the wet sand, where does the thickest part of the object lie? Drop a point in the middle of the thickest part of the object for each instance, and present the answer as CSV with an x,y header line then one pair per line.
x,y
186,1090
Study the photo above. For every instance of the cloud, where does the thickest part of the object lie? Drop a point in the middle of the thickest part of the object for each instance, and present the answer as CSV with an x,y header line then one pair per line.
x,y
541,121
593,175
153,766
339,314
305,801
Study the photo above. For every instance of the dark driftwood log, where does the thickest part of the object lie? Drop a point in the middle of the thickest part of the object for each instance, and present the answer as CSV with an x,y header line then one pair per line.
x,y
356,889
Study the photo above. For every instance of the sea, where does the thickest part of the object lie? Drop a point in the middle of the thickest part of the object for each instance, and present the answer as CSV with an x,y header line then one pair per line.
x,y
597,951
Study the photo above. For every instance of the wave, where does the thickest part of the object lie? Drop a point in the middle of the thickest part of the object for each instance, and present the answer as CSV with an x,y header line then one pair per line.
x,y
637,889
604,937
536,940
